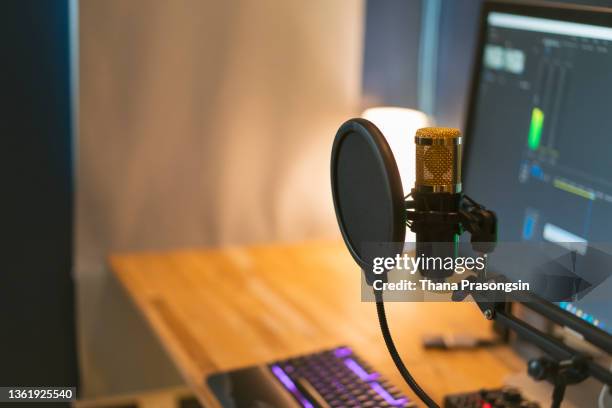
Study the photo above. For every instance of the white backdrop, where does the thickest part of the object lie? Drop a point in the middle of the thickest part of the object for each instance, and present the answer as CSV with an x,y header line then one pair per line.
x,y
201,123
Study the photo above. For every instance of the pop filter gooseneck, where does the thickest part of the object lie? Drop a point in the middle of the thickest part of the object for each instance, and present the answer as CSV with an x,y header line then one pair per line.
x,y
370,209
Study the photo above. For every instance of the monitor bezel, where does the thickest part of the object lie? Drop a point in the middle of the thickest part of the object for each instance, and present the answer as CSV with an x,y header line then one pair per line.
x,y
556,11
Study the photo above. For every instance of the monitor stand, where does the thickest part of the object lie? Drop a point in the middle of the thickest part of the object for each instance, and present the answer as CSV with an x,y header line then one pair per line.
x,y
584,394
580,395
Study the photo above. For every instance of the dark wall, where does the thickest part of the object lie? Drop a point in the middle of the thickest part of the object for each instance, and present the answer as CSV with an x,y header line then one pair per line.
x,y
37,334
391,52
459,21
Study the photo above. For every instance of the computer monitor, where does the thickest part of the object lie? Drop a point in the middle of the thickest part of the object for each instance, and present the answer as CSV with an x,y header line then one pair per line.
x,y
539,130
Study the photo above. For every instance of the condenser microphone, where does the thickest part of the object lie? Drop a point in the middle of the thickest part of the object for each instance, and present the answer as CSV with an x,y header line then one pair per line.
x,y
371,207
438,161
437,196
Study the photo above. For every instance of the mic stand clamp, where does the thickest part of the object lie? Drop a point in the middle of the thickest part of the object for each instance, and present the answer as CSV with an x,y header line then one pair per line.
x,y
468,216
480,223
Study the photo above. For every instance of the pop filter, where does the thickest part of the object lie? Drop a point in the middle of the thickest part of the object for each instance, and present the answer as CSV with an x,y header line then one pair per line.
x,y
367,192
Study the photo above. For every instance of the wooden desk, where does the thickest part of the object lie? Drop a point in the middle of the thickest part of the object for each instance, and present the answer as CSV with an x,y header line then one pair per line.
x,y
225,308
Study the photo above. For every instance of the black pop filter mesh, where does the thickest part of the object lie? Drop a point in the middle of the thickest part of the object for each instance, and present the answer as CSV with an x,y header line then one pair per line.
x,y
367,192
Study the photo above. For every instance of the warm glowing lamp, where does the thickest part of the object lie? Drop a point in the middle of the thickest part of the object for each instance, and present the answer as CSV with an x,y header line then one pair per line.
x,y
399,126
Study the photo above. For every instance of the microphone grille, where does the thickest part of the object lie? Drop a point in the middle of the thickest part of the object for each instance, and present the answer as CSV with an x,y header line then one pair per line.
x,y
438,159
438,132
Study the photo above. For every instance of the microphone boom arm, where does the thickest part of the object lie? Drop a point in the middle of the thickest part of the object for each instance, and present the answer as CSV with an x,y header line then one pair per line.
x,y
563,365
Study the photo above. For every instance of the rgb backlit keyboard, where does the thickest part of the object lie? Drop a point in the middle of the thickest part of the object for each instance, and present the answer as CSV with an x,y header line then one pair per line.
x,y
336,378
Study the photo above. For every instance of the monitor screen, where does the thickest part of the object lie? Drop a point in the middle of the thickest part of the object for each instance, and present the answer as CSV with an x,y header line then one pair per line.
x,y
540,137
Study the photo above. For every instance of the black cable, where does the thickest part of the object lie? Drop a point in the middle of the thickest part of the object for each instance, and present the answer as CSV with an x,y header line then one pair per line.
x,y
386,333
558,394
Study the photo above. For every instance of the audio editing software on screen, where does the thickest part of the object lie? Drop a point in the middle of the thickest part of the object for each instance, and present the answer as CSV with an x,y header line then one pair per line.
x,y
541,136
